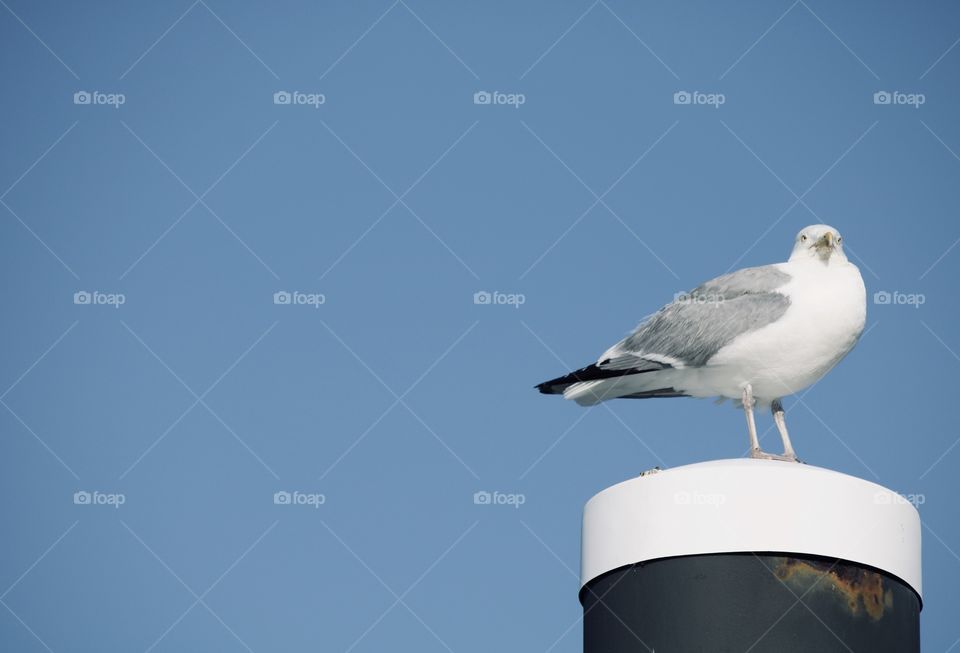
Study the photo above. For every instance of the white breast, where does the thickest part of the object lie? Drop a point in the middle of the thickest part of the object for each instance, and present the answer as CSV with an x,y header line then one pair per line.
x,y
825,318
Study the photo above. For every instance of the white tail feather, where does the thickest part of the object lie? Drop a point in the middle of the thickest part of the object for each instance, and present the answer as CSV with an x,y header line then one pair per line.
x,y
586,393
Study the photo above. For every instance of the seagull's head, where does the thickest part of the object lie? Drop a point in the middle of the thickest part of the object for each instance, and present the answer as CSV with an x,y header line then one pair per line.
x,y
819,242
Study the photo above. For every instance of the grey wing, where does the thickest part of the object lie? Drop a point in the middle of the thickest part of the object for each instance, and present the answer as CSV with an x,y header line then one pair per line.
x,y
689,331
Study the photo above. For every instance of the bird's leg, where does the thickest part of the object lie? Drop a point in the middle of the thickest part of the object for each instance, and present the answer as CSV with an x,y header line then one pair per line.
x,y
780,420
748,403
755,451
777,409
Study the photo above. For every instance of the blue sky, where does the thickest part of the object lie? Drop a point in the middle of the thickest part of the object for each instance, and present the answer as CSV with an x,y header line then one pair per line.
x,y
146,166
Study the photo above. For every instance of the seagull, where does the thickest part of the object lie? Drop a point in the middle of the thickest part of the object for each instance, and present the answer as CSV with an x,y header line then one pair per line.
x,y
753,336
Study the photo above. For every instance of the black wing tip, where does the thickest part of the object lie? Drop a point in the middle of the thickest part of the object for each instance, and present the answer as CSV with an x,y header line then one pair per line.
x,y
595,373
550,387
589,373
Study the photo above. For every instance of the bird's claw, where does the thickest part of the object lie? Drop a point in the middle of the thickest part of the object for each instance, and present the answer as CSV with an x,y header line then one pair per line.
x,y
759,454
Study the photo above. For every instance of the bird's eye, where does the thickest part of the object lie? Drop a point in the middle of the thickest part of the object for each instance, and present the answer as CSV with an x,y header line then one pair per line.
x,y
803,238
839,239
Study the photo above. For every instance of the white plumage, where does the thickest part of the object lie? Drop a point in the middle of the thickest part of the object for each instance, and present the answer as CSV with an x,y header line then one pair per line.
x,y
755,336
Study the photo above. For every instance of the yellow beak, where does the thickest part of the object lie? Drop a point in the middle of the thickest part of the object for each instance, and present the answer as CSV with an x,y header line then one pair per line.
x,y
826,240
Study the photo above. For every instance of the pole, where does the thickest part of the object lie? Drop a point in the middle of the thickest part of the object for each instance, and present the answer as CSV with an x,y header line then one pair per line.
x,y
750,555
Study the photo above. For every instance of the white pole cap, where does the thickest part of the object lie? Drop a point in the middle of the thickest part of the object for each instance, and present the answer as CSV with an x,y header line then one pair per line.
x,y
744,505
